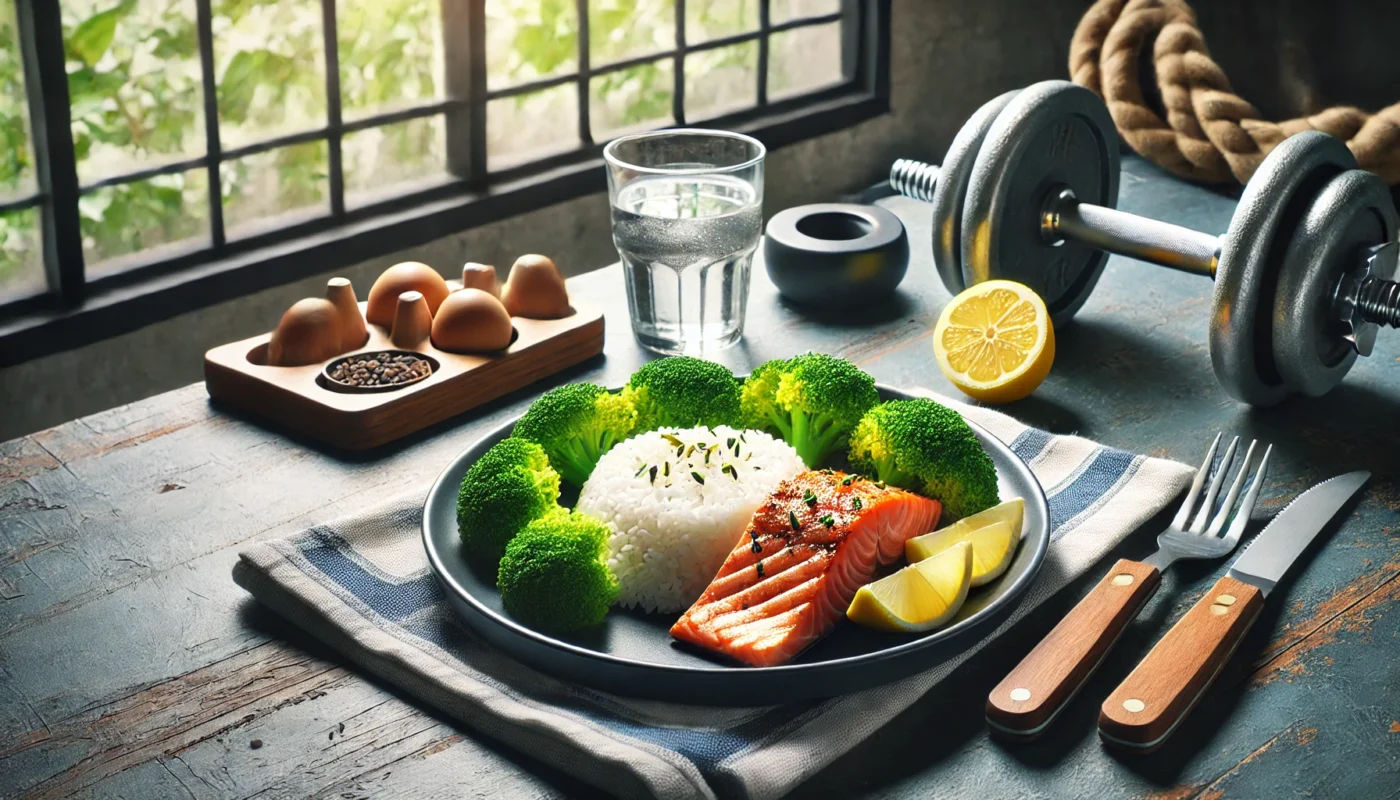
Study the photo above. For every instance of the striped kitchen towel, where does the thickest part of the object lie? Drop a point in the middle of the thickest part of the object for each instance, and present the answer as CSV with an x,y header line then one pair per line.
x,y
362,585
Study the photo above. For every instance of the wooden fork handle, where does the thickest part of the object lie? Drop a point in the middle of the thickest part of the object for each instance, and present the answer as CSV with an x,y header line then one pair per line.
x,y
1024,704
1144,710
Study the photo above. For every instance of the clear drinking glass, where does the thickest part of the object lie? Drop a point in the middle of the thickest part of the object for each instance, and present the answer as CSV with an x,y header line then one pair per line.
x,y
686,219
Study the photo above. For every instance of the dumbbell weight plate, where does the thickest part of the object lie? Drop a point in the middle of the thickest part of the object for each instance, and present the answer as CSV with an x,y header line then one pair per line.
x,y
951,190
1352,213
1251,258
1051,135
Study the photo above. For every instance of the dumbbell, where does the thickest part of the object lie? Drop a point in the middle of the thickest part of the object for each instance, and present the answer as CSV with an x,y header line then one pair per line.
x,y
1303,276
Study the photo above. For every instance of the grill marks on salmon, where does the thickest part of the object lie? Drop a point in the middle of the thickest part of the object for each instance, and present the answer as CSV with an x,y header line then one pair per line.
x,y
815,541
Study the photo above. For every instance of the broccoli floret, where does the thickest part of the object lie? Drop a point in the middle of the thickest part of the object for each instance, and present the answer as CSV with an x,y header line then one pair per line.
x,y
553,577
927,448
813,401
576,424
758,401
683,392
509,487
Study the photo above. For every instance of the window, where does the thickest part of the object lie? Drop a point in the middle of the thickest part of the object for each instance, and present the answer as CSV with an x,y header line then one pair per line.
x,y
172,145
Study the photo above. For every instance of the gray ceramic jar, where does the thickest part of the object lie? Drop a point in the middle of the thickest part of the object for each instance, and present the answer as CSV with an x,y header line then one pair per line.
x,y
832,254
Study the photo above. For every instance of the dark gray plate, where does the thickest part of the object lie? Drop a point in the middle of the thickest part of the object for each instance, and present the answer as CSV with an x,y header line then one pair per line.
x,y
633,654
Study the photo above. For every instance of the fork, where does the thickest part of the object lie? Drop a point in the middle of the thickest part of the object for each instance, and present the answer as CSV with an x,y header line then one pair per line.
x,y
1024,704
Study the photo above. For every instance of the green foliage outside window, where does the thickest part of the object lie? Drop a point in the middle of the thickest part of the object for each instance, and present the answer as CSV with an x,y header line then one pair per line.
x,y
136,98
16,169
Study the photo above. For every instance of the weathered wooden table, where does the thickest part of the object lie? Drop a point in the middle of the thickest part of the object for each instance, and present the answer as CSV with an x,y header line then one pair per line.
x,y
132,666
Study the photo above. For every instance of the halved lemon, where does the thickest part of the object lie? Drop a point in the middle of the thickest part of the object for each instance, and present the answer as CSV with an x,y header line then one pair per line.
x,y
995,341
918,598
992,548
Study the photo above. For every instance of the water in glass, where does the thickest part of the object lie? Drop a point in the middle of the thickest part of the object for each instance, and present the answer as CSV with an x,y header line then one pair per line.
x,y
687,243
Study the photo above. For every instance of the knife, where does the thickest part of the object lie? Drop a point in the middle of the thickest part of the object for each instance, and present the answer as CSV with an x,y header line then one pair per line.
x,y
1153,700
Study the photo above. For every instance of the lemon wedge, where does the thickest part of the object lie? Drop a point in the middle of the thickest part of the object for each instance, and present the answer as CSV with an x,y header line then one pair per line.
x,y
918,598
992,548
1012,512
994,341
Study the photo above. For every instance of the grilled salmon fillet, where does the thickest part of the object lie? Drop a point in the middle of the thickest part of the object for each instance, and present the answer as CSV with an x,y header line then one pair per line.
x,y
814,542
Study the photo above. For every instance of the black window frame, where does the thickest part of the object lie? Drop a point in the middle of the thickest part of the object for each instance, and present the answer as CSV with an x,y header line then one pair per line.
x,y
157,284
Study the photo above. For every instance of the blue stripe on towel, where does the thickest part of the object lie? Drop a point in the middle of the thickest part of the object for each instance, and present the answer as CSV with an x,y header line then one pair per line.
x,y
390,600
1030,444
707,747
1103,472
1096,477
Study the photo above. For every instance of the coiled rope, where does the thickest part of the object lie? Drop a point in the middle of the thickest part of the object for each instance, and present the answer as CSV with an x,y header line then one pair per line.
x,y
1211,134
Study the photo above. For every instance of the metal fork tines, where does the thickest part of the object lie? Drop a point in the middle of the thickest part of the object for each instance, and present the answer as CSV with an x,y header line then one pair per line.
x,y
1195,532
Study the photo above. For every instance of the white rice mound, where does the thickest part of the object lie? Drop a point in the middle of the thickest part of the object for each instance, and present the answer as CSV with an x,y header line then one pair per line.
x,y
671,534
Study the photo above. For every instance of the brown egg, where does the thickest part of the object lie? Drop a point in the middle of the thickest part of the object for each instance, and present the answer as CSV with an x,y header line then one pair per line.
x,y
535,290
308,334
410,276
481,276
353,334
412,321
471,321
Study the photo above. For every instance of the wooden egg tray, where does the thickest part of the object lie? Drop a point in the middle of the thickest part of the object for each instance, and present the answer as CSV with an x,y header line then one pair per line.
x,y
297,397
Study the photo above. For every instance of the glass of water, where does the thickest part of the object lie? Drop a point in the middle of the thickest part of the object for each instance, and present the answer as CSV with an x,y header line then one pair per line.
x,y
686,219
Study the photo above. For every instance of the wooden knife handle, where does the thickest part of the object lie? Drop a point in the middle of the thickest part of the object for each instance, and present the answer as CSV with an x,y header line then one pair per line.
x,y
1022,706
1148,705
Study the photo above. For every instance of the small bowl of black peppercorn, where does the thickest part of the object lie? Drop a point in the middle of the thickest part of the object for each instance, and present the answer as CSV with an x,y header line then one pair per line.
x,y
377,371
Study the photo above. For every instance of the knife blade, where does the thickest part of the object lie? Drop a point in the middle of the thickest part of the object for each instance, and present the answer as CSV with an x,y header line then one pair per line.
x,y
1153,700
1269,555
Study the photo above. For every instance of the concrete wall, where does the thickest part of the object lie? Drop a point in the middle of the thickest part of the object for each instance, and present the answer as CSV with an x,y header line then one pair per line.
x,y
948,57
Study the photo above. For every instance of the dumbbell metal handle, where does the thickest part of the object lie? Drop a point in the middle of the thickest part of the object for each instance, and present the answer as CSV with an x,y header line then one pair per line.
x,y
1129,234
1108,229
1168,245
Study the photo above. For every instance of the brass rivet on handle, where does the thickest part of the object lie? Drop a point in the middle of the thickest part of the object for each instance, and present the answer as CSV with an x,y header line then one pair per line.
x,y
1122,579
1134,705
1222,604
1020,695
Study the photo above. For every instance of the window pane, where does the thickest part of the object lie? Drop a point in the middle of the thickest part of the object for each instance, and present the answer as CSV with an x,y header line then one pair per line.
x,y
712,19
721,80
804,59
134,84
390,54
261,187
16,161
21,254
378,160
530,39
783,10
271,65
621,29
129,217
630,99
531,125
